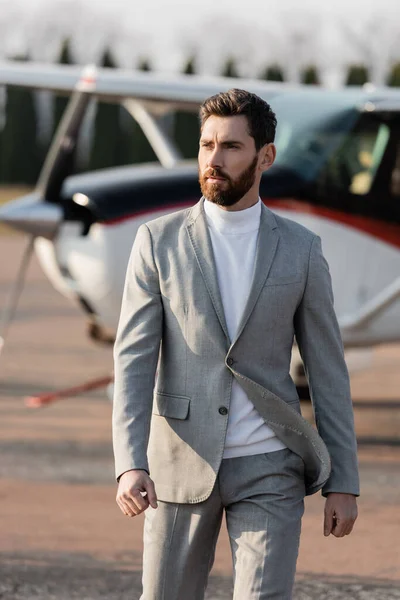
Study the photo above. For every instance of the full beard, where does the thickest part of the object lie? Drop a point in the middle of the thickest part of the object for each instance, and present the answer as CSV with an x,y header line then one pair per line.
x,y
233,191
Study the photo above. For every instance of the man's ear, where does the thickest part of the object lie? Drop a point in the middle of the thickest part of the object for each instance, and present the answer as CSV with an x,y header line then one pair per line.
x,y
268,154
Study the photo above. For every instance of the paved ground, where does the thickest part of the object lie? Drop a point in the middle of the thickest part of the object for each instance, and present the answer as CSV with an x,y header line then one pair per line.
x,y
61,534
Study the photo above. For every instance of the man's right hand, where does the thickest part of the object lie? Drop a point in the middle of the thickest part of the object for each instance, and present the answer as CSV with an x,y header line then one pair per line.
x,y
129,496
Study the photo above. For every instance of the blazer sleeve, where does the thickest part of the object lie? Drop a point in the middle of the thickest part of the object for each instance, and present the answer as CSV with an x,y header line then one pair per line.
x,y
136,352
320,345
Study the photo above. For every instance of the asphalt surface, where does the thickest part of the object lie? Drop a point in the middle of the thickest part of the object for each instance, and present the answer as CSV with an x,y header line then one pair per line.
x,y
61,534
98,583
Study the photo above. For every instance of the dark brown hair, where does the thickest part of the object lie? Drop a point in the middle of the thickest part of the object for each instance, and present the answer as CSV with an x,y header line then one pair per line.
x,y
260,116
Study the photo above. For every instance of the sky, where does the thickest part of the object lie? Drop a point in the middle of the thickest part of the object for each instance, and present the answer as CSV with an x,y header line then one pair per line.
x,y
254,32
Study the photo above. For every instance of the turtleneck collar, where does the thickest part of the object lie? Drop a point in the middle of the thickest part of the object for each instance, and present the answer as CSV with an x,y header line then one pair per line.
x,y
233,221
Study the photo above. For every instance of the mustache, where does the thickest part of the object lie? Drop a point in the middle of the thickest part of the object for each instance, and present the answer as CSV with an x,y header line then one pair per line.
x,y
215,173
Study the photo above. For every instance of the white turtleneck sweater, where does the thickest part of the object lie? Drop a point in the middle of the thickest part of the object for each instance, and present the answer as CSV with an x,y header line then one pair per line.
x,y
234,240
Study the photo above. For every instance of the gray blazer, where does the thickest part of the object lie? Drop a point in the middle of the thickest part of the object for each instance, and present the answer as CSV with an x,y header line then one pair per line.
x,y
172,321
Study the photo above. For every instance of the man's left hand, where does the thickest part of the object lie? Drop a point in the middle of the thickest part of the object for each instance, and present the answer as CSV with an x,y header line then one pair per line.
x,y
340,514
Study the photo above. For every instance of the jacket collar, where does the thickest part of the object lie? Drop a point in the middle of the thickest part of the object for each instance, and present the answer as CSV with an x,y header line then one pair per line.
x,y
267,243
199,234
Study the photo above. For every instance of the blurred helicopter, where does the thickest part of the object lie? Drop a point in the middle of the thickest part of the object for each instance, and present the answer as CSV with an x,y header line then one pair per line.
x,y
337,172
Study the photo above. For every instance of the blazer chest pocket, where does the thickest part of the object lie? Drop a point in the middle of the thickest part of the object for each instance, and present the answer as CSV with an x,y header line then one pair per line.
x,y
171,405
285,280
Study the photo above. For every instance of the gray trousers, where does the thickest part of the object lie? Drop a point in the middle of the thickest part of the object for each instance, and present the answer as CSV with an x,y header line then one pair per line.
x,y
263,499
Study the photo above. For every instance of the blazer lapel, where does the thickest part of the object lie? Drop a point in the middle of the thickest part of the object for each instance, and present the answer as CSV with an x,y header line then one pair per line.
x,y
202,246
267,243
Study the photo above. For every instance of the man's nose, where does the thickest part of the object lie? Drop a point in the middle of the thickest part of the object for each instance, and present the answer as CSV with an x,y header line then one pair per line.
x,y
215,159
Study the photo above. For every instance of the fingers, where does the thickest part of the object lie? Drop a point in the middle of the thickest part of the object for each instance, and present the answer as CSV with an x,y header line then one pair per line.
x,y
343,528
340,514
132,503
349,529
135,503
139,502
340,527
344,525
151,494
124,508
135,493
127,506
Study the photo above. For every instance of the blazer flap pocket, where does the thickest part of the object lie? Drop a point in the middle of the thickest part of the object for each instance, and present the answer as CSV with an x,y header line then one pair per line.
x,y
169,405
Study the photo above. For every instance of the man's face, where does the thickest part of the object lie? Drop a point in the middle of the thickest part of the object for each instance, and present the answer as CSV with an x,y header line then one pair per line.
x,y
228,161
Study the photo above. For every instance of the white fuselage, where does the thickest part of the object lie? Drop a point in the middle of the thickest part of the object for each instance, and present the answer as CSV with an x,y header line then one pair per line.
x,y
94,266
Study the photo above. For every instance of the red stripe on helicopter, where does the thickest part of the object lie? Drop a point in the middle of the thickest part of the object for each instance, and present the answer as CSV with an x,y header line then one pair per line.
x,y
386,232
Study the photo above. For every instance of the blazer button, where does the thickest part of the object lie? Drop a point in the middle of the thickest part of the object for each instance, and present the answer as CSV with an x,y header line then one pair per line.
x,y
223,410
230,361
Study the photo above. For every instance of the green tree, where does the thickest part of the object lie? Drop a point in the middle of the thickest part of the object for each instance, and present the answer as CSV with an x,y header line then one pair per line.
x,y
230,69
394,76
144,64
310,75
186,125
20,157
357,75
273,73
60,102
106,140
190,66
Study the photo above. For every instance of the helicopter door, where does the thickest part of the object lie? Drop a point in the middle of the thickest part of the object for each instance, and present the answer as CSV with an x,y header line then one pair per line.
x,y
384,259
347,186
367,184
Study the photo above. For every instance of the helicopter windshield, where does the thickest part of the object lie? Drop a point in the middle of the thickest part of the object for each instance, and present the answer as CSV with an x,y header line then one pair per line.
x,y
310,129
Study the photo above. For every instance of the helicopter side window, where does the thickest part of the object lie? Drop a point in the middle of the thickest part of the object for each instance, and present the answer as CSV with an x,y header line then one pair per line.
x,y
354,166
395,178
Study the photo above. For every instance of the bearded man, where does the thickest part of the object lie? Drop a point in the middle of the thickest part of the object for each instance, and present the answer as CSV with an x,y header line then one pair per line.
x,y
215,295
